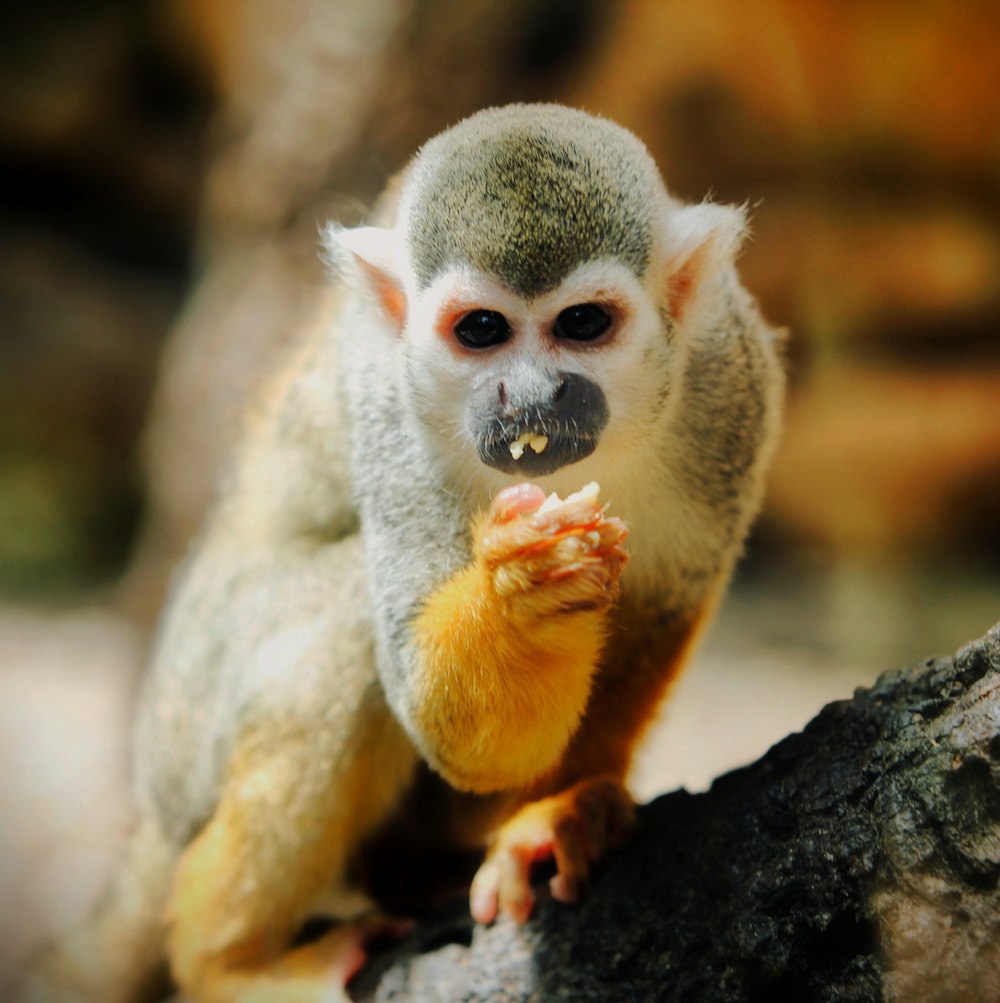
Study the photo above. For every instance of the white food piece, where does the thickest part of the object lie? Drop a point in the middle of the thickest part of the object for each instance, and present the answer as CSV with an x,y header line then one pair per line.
x,y
536,443
588,493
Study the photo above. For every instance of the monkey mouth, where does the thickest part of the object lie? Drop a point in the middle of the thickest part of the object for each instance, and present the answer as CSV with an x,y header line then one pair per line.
x,y
534,433
532,450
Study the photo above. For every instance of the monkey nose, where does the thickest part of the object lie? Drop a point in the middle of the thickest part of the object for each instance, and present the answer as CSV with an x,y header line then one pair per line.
x,y
540,407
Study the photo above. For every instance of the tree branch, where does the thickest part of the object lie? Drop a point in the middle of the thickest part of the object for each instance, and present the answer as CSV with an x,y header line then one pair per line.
x,y
858,860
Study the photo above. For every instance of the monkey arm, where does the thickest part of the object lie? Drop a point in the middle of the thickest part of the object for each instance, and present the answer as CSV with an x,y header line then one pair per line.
x,y
582,810
647,648
501,689
507,647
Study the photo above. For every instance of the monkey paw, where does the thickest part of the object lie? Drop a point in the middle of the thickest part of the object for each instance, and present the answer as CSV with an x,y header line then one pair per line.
x,y
319,971
562,555
575,829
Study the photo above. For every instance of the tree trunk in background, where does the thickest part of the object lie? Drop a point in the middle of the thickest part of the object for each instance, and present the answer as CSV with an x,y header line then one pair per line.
x,y
858,860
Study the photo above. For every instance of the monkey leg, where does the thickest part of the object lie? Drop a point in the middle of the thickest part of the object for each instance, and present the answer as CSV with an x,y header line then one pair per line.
x,y
575,828
280,837
509,645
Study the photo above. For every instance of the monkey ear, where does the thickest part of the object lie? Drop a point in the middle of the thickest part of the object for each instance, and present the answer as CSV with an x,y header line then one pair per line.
x,y
702,240
373,253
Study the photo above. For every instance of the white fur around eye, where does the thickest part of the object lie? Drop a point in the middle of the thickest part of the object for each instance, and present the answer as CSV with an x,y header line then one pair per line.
x,y
441,376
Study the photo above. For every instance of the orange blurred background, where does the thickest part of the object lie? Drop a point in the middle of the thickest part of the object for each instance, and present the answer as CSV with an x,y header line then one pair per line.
x,y
168,156
167,164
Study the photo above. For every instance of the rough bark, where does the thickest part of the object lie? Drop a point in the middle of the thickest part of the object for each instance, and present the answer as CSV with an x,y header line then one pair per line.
x,y
858,860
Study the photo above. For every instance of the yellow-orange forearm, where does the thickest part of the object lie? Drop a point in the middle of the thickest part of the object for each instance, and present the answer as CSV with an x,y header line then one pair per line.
x,y
504,680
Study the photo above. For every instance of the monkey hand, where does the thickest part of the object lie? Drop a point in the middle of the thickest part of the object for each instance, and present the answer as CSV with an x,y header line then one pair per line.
x,y
547,555
575,828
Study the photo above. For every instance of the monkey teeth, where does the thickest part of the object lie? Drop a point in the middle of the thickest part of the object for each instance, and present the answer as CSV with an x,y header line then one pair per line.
x,y
536,443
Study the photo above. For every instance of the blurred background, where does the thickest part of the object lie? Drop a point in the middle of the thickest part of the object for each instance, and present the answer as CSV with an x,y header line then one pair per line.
x,y
166,167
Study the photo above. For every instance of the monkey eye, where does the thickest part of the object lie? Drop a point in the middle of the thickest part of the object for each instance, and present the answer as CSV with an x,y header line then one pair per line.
x,y
582,322
482,329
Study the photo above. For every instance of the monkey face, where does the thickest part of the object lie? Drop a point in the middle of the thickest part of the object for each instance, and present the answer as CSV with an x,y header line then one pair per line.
x,y
541,297
528,387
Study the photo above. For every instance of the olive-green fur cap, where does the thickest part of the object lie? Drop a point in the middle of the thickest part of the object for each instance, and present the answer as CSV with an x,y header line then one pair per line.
x,y
526,193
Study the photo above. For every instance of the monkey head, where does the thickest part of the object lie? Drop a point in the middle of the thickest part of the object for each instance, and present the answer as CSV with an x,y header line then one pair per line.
x,y
538,284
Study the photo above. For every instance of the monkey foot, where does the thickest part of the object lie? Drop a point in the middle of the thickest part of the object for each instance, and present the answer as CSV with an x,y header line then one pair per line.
x,y
575,829
320,970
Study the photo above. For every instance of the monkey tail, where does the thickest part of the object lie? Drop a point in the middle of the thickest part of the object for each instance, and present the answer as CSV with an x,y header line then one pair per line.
x,y
119,955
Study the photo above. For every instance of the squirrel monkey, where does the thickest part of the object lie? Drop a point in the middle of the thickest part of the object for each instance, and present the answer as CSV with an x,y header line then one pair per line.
x,y
394,635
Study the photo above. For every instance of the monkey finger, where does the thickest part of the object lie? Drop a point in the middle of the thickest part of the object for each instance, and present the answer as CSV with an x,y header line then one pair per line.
x,y
319,969
505,534
584,575
512,532
574,516
619,816
514,889
606,812
572,863
502,883
553,543
612,532
514,862
586,582
511,502
528,553
484,892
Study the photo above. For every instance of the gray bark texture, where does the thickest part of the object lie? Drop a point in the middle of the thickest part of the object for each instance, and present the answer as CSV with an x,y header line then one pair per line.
x,y
856,861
